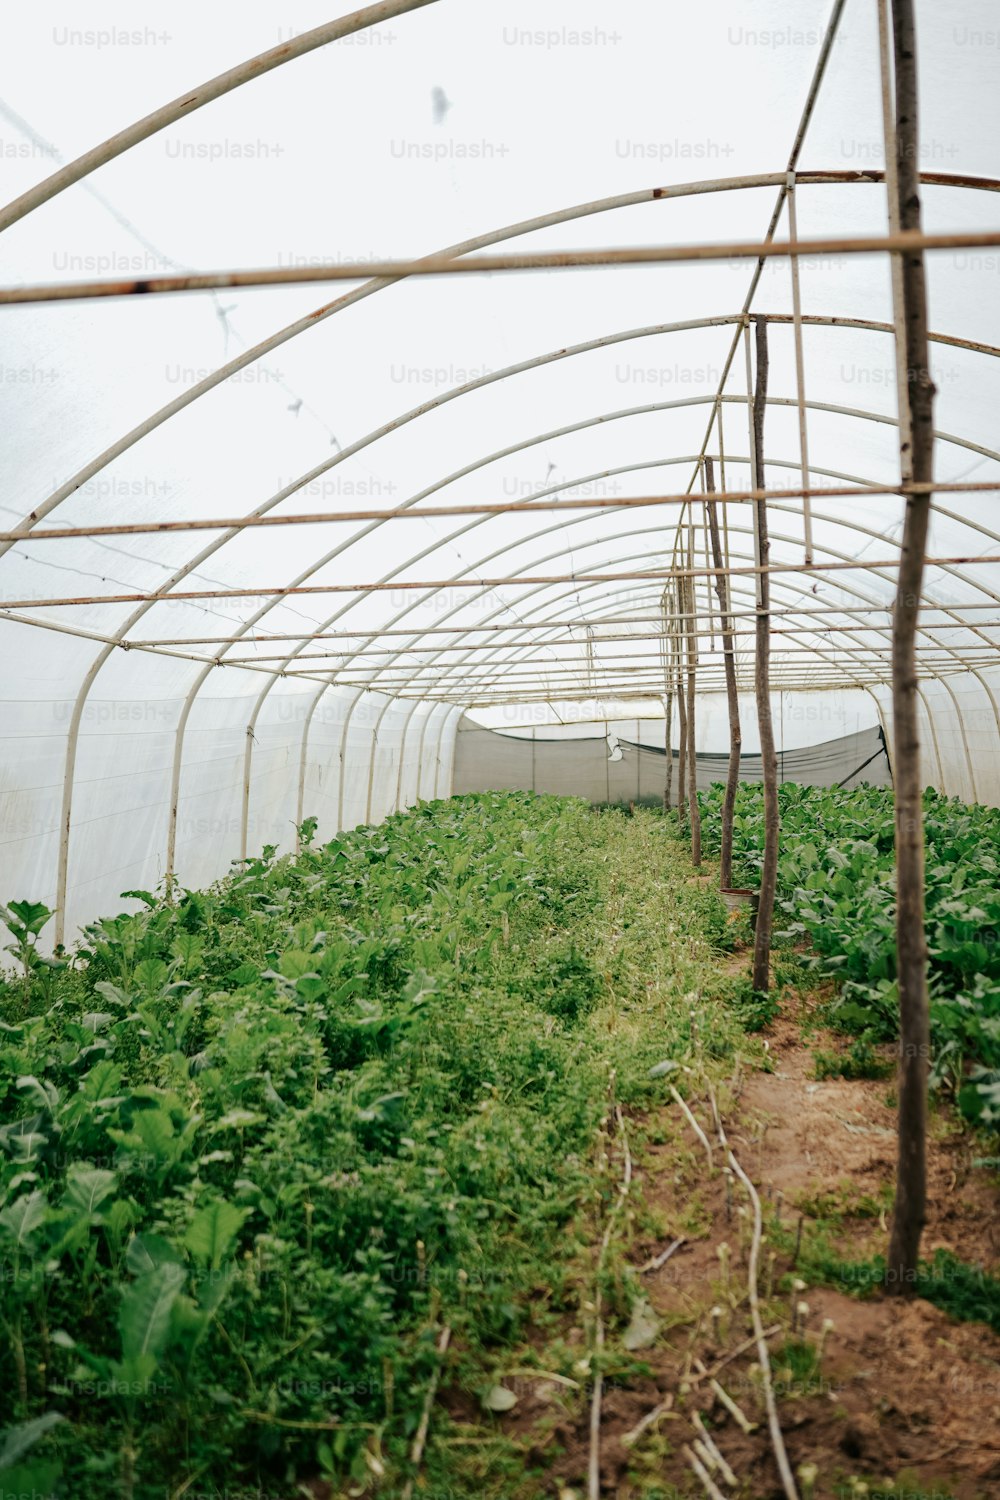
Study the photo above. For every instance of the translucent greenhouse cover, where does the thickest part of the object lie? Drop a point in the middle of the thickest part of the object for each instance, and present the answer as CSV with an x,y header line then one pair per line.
x,y
169,705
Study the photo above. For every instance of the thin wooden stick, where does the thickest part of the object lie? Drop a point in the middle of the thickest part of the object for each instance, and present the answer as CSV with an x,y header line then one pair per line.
x,y
542,506
694,1125
735,1353
687,594
667,740
420,1437
718,1458
632,1437
661,1259
762,685
711,1488
594,1463
477,265
911,947
682,729
760,1335
174,596
732,695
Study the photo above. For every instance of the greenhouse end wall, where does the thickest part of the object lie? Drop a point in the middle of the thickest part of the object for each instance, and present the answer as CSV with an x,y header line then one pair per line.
x,y
348,759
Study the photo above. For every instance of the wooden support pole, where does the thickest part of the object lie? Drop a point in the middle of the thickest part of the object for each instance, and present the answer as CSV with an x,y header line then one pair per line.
x,y
762,685
732,696
911,948
682,726
668,700
694,815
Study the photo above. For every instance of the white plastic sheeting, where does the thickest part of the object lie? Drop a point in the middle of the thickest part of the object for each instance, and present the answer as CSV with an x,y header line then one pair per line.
x,y
437,128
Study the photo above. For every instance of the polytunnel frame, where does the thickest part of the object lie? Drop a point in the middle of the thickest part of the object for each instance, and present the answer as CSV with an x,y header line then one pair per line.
x,y
575,483
363,689
917,440
366,441
438,543
243,73
847,678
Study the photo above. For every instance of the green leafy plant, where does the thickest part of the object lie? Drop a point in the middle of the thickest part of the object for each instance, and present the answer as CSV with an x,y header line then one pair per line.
x,y
836,892
258,1141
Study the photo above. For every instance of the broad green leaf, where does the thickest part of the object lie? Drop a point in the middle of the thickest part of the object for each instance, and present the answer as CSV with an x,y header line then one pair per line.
x,y
25,1139
133,1375
118,1220
244,973
144,1316
152,1131
145,896
112,993
295,962
187,948
213,1230
32,915
16,1441
96,1020
43,1093
151,975
87,1187
147,1251
102,1081
24,1217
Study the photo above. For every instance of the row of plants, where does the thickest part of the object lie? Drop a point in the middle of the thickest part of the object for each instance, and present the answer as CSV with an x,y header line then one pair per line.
x,y
836,891
260,1143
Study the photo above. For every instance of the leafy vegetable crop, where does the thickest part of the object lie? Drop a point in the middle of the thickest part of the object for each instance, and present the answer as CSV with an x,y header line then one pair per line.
x,y
836,888
259,1143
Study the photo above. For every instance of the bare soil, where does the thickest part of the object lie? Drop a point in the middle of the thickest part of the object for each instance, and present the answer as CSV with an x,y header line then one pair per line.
x,y
904,1395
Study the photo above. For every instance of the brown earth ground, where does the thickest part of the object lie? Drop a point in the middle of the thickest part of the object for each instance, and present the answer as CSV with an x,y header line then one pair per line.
x,y
903,1396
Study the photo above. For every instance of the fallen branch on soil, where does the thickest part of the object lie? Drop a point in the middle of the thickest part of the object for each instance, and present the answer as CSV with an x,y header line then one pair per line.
x,y
632,1437
737,1413
594,1466
708,1442
545,1375
661,1259
711,1488
694,1125
777,1440
420,1437
735,1353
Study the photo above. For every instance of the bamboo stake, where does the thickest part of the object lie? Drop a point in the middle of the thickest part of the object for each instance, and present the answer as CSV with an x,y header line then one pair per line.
x,y
477,265
762,685
682,757
524,580
667,740
687,595
911,947
682,753
732,695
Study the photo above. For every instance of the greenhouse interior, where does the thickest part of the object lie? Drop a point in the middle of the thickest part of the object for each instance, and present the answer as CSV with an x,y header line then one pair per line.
x,y
500,802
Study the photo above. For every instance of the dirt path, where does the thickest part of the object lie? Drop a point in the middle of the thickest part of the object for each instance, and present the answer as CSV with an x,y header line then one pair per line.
x,y
903,1393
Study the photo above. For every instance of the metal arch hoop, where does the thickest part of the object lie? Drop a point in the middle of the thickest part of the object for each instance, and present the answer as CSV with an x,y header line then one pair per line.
x,y
361,692
653,407
91,676
193,99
